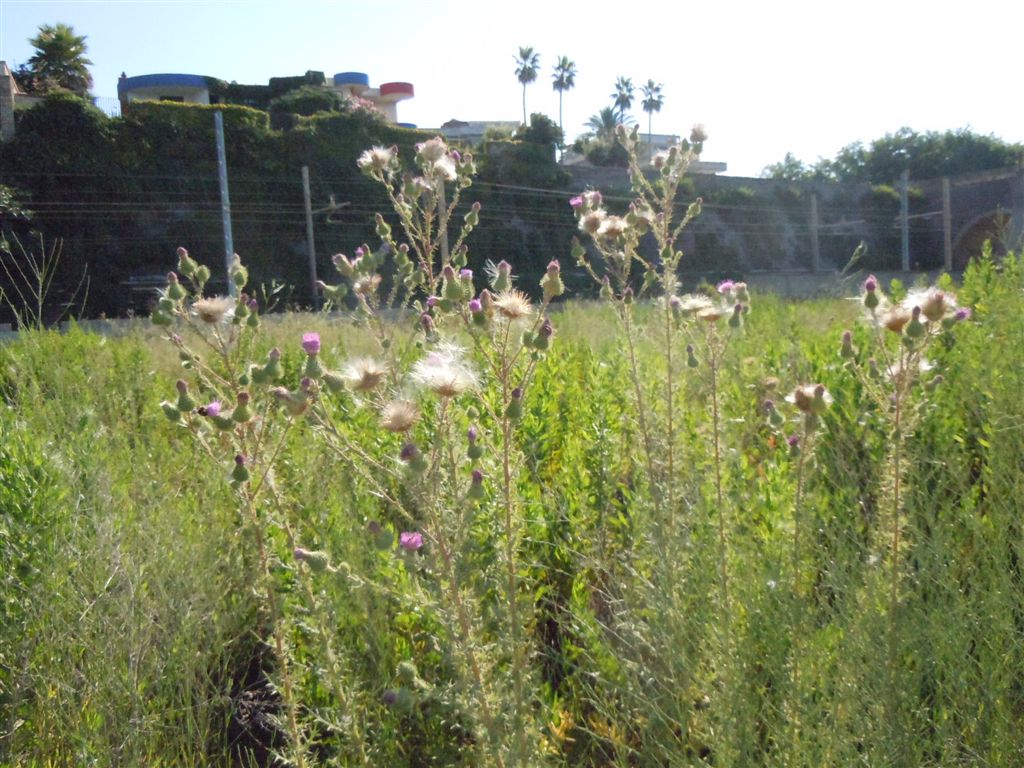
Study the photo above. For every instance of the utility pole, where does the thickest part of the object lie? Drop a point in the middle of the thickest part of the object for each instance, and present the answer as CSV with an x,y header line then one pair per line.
x,y
815,244
225,200
904,221
947,227
314,296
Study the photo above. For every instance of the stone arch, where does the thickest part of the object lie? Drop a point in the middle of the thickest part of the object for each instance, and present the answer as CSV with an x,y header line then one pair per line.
x,y
995,226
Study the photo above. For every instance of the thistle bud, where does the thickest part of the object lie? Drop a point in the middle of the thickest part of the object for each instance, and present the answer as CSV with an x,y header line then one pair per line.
x,y
472,218
343,265
407,672
551,283
334,382
606,288
316,560
962,314
240,474
223,423
294,402
915,329
502,278
474,451
871,300
186,265
873,371
793,441
846,350
272,371
544,333
476,485
691,358
627,295
185,403
413,458
172,413
241,413
160,318
383,228
451,289
175,290
578,252
514,409
775,419
736,319
239,275
202,274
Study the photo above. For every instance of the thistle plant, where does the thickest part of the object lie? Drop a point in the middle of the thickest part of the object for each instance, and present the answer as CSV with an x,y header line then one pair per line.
x,y
469,361
810,401
632,257
228,410
626,273
896,375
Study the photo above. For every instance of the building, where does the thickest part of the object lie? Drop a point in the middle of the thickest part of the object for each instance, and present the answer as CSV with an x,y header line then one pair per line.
x,y
200,89
11,98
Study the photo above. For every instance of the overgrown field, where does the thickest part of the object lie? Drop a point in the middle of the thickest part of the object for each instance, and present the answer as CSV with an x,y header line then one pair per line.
x,y
463,524
135,628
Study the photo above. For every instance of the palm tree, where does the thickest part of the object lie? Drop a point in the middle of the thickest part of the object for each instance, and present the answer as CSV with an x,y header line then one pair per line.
x,y
563,79
603,124
653,99
623,96
527,64
59,60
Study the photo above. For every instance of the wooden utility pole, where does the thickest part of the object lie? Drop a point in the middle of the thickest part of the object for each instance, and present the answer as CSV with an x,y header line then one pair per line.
x,y
904,222
225,200
310,246
947,227
815,244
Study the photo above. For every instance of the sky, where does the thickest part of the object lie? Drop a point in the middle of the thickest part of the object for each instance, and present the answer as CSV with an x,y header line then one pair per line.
x,y
765,78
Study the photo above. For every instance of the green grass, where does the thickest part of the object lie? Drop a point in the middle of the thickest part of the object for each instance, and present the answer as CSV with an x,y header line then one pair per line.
x,y
133,631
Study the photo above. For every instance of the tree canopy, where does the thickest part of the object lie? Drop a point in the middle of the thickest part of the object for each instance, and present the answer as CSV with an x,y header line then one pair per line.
x,y
925,155
58,63
527,64
623,97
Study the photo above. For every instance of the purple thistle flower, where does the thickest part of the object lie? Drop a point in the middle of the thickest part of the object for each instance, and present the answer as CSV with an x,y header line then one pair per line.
x,y
964,313
311,343
410,540
475,305
871,284
211,409
472,434
576,202
793,441
466,274
725,286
